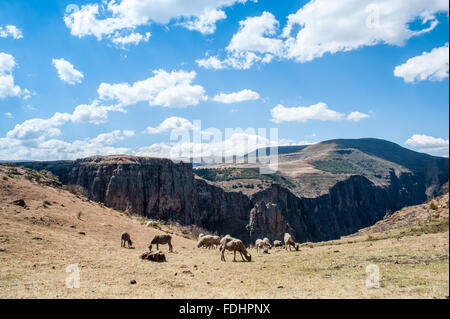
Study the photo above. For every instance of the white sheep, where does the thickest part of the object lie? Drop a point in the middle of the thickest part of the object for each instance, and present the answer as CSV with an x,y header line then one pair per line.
x,y
288,241
267,243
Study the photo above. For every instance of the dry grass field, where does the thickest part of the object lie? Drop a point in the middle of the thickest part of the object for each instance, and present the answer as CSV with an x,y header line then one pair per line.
x,y
39,241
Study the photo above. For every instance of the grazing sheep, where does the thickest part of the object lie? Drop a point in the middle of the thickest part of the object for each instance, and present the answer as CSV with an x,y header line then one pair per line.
x,y
125,239
216,241
267,242
205,241
234,245
226,239
200,235
277,243
161,240
288,241
259,244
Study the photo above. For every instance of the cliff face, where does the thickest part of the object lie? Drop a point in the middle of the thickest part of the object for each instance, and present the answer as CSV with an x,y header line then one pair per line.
x,y
162,189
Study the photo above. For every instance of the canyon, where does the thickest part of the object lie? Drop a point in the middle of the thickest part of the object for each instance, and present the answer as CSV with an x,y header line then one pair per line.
x,y
366,180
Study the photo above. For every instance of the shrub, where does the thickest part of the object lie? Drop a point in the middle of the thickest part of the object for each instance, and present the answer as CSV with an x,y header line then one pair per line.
x,y
433,206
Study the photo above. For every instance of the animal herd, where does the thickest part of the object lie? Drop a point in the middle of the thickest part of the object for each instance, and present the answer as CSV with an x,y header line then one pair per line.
x,y
225,243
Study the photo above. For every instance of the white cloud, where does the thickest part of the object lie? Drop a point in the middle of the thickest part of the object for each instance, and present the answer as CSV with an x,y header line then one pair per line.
x,y
303,114
172,89
9,115
206,22
132,38
14,149
211,63
243,60
429,144
241,96
357,116
324,26
67,72
11,31
169,124
104,21
251,44
39,128
251,35
36,130
432,66
346,25
7,86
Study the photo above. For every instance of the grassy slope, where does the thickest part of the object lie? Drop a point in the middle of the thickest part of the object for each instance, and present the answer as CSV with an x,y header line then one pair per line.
x,y
411,266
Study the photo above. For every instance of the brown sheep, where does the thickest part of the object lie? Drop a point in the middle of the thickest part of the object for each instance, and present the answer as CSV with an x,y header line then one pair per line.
x,y
205,241
277,243
161,240
225,239
288,241
125,239
235,245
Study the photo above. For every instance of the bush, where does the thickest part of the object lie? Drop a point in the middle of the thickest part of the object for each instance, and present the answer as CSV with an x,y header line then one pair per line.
x,y
433,206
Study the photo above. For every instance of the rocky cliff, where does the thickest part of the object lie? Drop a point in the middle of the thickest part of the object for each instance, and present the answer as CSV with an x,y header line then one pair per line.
x,y
162,189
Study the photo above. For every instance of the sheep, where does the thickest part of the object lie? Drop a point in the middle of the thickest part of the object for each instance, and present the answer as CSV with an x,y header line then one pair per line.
x,y
277,243
125,239
216,241
200,235
259,244
205,241
288,241
161,240
267,243
226,239
234,245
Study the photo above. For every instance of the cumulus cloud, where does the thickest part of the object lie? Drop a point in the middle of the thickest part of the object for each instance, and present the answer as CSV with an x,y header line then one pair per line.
x,y
174,89
132,38
303,114
14,149
321,27
67,72
106,20
350,24
11,31
429,144
169,124
36,130
7,86
432,66
252,35
241,96
206,22
357,116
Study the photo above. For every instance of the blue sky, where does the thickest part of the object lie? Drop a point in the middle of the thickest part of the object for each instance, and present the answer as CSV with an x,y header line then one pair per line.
x,y
305,80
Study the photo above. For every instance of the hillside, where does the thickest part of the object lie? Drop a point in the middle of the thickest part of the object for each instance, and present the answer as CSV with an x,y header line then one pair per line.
x,y
432,214
38,242
311,171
